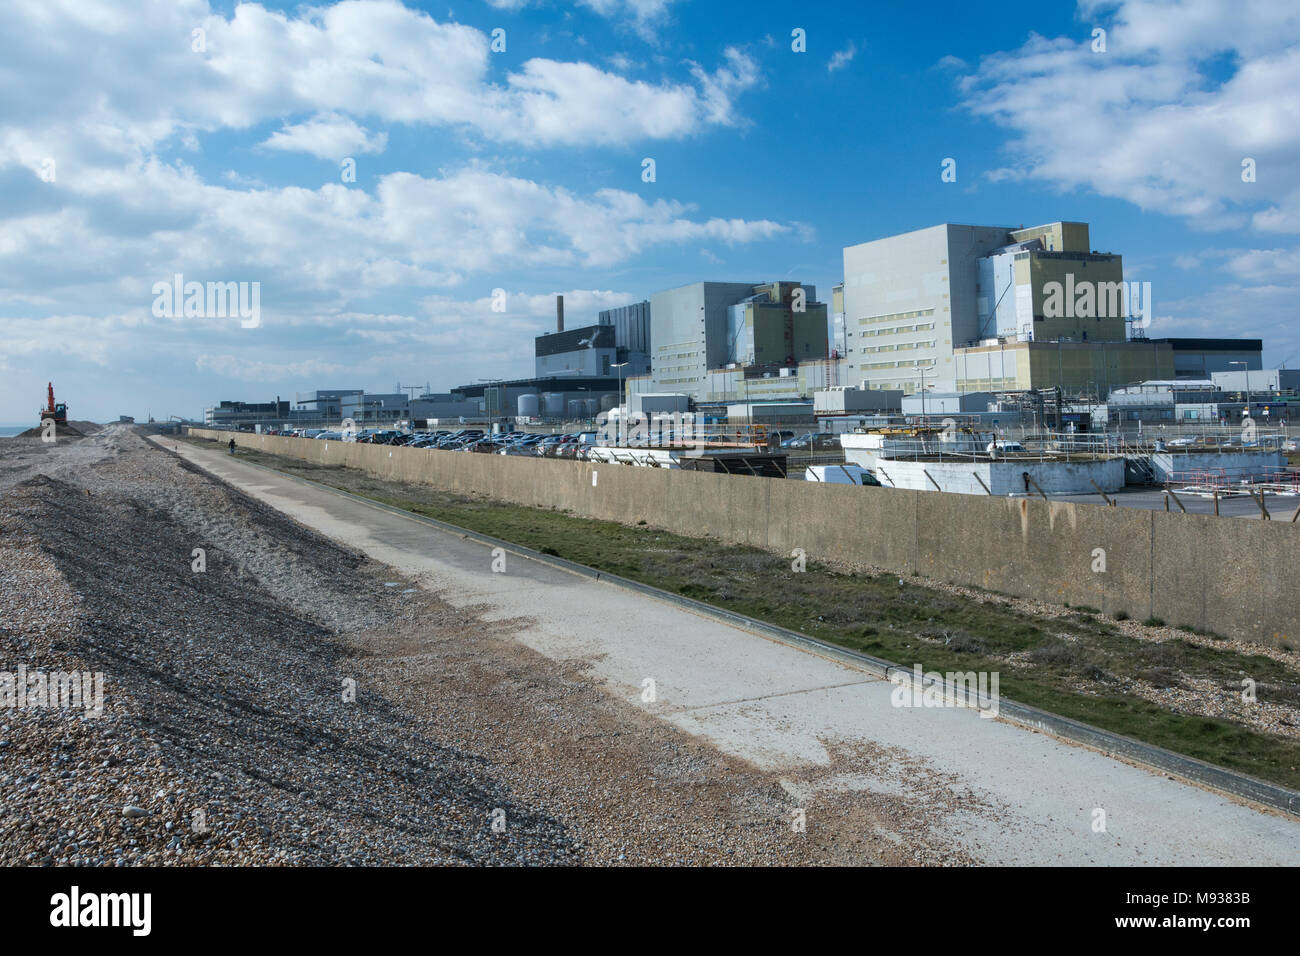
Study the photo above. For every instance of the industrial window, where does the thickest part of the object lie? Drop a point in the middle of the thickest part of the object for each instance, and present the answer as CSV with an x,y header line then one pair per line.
x,y
894,316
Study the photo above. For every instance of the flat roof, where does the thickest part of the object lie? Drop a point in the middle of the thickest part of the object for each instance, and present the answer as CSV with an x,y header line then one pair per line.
x,y
1250,345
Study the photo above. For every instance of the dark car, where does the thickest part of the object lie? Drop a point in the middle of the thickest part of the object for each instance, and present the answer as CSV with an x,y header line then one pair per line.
x,y
462,437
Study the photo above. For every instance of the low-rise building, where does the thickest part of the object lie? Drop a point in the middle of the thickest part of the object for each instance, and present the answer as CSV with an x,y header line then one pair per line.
x,y
1200,358
371,409
233,414
323,406
846,400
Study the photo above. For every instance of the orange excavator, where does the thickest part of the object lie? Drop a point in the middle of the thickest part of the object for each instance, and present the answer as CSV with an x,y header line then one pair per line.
x,y
57,412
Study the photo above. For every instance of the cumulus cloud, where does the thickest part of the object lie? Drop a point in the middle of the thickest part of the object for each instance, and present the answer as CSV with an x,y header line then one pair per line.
x,y
327,136
321,257
1185,99
1265,264
1165,116
176,87
314,244
373,60
119,213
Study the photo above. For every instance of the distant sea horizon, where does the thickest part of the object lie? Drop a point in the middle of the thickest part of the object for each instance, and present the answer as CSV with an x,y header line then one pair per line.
x,y
9,431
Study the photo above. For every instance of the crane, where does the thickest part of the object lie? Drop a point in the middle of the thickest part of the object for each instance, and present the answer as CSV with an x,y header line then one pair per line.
x,y
57,412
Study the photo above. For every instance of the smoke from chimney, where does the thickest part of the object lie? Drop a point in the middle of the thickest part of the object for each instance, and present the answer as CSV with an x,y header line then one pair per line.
x,y
559,313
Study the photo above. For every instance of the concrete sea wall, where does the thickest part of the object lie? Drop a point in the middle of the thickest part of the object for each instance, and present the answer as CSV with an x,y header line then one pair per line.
x,y
1234,576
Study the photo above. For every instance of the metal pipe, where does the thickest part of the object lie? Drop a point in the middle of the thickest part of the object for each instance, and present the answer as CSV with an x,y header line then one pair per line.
x,y
1260,501
1102,493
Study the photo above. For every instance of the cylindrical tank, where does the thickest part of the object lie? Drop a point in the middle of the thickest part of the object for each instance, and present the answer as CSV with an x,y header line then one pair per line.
x,y
608,401
589,407
575,408
552,404
528,406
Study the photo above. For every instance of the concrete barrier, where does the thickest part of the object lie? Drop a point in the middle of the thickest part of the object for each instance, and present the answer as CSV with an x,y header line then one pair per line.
x,y
1005,476
1232,576
1182,464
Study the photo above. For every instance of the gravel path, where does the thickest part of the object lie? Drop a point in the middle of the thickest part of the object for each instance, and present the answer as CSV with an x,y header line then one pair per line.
x,y
228,736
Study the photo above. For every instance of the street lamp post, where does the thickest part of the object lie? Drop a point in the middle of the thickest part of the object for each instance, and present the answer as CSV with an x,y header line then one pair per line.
x,y
622,420
490,393
619,366
1246,369
923,371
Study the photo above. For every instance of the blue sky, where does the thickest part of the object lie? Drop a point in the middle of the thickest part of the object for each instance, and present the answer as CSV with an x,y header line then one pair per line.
x,y
128,156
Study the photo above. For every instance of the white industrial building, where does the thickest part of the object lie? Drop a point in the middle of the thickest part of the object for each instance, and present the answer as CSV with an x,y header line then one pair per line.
x,y
912,304
907,299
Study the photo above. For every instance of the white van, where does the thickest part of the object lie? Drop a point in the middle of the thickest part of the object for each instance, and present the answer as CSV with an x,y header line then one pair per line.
x,y
840,475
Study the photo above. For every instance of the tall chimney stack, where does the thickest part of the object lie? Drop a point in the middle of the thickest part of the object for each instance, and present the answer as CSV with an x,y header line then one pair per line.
x,y
559,313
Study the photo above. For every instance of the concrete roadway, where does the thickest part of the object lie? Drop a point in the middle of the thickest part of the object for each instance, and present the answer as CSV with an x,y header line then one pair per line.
x,y
822,725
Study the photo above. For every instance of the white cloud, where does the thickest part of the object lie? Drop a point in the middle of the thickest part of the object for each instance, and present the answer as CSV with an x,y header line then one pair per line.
x,y
371,61
622,62
1151,120
323,250
842,58
447,335
720,88
120,217
79,256
244,369
1163,119
328,136
551,102
1257,265
1234,310
644,16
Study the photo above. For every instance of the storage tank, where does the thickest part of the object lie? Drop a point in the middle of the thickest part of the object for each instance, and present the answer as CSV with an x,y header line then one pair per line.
x,y
553,404
608,401
589,407
528,406
575,408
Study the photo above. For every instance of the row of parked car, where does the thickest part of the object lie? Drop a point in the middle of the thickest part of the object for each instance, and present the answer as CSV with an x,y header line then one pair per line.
x,y
466,439
526,443
810,441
